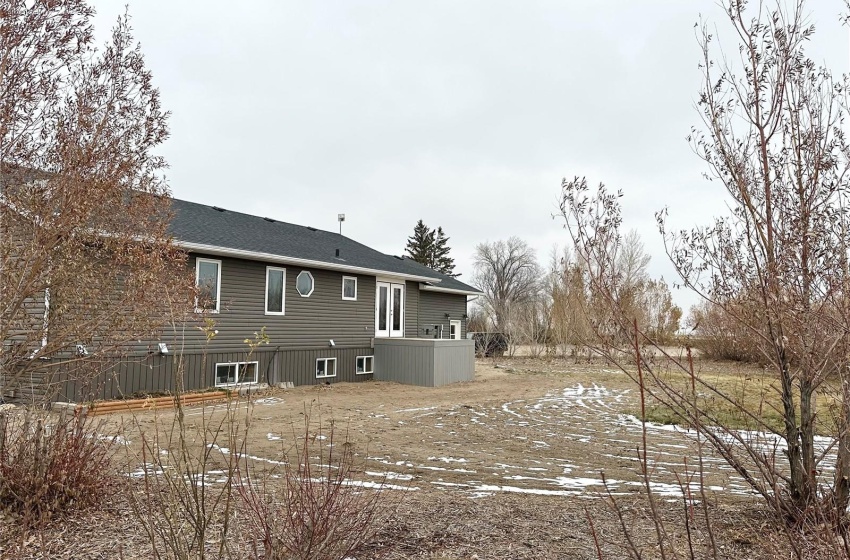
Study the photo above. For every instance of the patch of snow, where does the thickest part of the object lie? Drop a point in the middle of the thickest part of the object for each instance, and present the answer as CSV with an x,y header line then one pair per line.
x,y
416,409
447,459
267,401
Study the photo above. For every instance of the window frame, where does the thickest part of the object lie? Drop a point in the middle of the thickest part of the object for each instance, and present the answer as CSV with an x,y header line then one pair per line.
x,y
282,294
344,278
198,261
455,323
326,360
238,367
312,283
364,358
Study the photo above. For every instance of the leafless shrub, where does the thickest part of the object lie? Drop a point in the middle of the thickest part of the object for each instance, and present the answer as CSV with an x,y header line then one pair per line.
x,y
320,513
182,496
52,464
718,336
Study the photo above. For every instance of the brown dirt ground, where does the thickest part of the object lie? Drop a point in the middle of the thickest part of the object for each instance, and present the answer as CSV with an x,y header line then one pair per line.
x,y
506,466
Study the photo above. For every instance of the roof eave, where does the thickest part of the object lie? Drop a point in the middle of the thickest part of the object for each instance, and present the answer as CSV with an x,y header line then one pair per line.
x,y
283,259
429,288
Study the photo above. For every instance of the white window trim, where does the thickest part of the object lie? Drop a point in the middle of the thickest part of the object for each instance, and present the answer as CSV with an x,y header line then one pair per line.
x,y
326,360
459,324
312,283
364,365
238,366
198,261
390,333
282,295
344,278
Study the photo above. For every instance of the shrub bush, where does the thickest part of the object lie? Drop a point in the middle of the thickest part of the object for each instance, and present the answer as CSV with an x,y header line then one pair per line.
x,y
51,464
319,513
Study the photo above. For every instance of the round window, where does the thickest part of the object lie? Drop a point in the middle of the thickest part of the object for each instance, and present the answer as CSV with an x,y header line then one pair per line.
x,y
304,283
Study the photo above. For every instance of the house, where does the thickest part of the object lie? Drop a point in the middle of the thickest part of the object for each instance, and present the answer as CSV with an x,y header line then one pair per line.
x,y
332,309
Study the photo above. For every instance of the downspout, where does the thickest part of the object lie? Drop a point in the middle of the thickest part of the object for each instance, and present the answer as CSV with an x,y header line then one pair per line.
x,y
269,365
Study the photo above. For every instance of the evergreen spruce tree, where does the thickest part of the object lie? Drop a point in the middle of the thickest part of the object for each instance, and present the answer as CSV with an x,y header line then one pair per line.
x,y
430,248
421,244
440,259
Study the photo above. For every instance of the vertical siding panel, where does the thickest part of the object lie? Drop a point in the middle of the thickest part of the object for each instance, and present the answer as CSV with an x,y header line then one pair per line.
x,y
426,363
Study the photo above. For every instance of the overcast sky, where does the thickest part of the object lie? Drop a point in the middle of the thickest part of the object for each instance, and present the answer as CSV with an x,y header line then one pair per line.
x,y
466,114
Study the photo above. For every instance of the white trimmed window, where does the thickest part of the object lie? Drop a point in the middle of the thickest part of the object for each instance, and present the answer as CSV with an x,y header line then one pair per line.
x,y
304,283
275,290
325,367
235,373
364,365
208,282
349,288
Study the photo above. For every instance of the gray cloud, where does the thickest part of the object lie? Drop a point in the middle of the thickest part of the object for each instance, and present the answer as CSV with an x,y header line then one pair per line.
x,y
465,114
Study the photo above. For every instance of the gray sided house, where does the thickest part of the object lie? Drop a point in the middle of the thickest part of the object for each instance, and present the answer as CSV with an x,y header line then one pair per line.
x,y
332,309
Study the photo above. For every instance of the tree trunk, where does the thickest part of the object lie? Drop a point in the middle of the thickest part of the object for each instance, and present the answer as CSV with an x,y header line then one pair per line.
x,y
797,480
807,440
842,466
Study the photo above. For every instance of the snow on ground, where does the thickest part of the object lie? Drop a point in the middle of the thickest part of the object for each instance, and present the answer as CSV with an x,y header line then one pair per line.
x,y
554,445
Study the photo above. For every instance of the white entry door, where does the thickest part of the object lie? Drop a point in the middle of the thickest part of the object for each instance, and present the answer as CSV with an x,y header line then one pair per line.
x,y
454,330
389,310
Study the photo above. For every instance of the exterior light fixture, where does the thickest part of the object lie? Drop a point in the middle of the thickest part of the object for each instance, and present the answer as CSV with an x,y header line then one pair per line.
x,y
163,348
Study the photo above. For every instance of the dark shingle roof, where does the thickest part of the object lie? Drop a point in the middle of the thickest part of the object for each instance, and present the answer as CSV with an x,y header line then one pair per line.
x,y
445,281
208,225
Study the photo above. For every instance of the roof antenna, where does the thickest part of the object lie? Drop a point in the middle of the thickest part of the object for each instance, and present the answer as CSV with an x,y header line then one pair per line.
x,y
340,218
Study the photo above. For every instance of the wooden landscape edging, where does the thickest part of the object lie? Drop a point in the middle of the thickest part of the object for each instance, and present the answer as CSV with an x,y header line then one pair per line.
x,y
108,407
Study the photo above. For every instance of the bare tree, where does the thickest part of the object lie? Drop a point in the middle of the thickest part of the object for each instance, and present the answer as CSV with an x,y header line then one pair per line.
x,y
508,274
567,290
633,261
777,265
661,316
86,264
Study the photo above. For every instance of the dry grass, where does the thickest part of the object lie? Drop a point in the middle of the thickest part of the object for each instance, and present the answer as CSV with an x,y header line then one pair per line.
x,y
751,398
412,424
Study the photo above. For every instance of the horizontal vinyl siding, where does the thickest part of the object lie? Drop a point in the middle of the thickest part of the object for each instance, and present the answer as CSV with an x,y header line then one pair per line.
x,y
309,322
433,307
411,309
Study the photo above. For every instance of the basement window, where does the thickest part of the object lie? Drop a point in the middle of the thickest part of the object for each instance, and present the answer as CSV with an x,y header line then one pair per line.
x,y
325,367
304,283
235,373
364,365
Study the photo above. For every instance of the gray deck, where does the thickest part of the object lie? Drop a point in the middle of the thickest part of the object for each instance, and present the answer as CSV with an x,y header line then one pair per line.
x,y
424,361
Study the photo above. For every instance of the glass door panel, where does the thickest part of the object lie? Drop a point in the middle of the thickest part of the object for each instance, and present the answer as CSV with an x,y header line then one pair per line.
x,y
382,310
397,310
